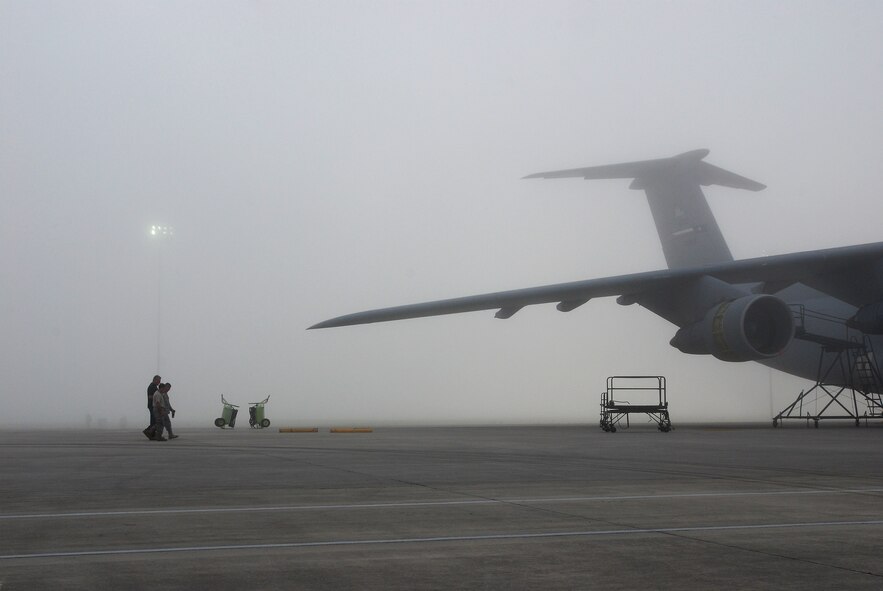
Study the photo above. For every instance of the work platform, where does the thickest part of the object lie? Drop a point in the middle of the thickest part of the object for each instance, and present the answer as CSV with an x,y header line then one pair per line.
x,y
848,379
614,412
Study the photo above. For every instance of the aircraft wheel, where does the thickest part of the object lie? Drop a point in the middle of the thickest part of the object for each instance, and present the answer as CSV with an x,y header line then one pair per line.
x,y
775,423
220,423
265,423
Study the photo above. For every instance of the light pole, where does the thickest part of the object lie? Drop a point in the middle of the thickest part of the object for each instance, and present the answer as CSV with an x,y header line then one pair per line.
x,y
160,234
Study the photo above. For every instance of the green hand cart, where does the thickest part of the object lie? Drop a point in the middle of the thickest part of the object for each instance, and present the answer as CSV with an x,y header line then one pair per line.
x,y
228,415
256,414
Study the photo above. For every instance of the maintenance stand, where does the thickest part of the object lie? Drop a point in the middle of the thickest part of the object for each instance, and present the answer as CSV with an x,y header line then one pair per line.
x,y
848,378
613,411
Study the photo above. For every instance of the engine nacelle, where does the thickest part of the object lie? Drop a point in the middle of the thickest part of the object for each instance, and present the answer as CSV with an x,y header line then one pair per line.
x,y
868,319
746,329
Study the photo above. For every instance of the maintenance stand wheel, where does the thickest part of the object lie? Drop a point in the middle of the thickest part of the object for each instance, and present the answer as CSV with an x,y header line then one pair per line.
x,y
220,423
265,423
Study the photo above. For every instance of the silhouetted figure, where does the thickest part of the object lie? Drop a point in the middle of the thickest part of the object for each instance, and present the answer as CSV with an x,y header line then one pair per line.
x,y
158,407
151,389
167,408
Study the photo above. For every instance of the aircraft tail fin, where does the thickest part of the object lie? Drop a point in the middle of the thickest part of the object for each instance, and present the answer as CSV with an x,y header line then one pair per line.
x,y
686,226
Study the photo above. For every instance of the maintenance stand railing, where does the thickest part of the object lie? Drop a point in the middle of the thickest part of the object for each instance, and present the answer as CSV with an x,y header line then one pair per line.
x,y
613,411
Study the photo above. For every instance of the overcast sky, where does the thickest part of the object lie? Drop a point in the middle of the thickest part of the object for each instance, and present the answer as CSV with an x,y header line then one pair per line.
x,y
322,158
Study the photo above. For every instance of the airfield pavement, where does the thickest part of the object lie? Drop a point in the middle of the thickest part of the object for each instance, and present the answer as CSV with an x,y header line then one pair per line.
x,y
545,507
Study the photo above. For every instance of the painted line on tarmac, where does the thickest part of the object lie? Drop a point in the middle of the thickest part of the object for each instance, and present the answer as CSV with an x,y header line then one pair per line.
x,y
473,538
407,504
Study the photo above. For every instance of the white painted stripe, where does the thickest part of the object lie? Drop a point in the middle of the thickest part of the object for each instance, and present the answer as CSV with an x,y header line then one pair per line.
x,y
474,538
406,504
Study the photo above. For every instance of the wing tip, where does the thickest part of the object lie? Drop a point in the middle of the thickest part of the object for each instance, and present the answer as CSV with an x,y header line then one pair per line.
x,y
331,323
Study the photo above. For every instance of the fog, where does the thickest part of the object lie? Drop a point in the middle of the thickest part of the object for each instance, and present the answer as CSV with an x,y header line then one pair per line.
x,y
322,158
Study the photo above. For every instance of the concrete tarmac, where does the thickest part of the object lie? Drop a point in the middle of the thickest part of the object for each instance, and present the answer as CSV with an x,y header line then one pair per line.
x,y
549,507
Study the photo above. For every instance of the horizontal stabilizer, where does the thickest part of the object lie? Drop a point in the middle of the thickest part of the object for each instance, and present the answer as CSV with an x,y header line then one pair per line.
x,y
709,174
687,165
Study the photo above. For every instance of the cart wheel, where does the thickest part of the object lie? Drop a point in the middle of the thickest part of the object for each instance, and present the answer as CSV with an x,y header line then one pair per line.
x,y
265,423
220,422
612,429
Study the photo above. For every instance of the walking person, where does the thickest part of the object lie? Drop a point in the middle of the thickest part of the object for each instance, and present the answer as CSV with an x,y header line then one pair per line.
x,y
167,408
151,389
158,413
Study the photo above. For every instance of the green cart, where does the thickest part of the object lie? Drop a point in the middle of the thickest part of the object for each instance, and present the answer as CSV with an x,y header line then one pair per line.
x,y
256,414
228,415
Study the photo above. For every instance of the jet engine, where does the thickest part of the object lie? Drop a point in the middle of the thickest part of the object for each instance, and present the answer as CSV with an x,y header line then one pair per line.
x,y
746,329
868,319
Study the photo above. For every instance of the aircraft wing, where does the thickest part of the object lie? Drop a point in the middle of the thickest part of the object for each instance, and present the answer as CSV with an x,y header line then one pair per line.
x,y
852,274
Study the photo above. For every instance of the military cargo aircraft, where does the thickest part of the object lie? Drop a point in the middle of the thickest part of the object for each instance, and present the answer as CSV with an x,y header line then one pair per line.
x,y
815,314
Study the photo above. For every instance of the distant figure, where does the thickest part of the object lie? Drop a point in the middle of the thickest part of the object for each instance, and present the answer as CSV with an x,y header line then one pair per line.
x,y
158,407
151,389
167,408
